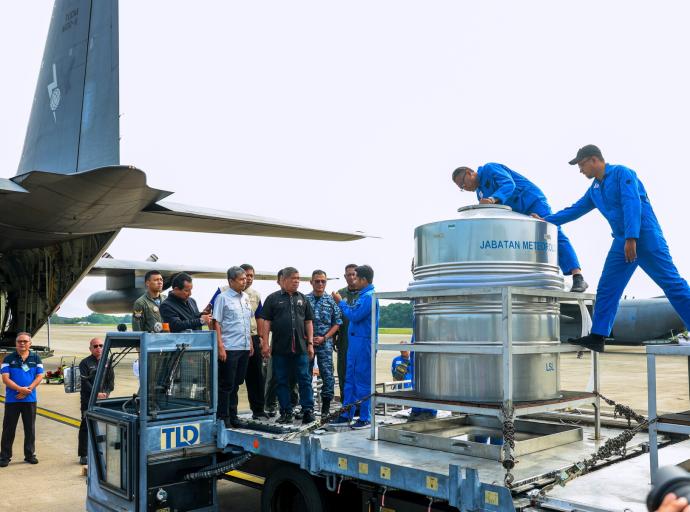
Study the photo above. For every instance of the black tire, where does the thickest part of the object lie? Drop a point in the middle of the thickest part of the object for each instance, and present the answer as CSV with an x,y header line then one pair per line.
x,y
290,489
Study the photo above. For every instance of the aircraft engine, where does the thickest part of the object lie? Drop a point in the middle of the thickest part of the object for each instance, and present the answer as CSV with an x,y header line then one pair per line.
x,y
114,301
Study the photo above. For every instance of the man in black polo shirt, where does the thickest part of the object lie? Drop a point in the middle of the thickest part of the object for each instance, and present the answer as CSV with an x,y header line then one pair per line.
x,y
288,316
179,310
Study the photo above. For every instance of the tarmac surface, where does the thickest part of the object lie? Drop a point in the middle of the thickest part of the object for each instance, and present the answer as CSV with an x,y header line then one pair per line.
x,y
57,481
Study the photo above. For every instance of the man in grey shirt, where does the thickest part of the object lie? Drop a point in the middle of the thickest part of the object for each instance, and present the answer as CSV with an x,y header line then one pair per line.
x,y
232,312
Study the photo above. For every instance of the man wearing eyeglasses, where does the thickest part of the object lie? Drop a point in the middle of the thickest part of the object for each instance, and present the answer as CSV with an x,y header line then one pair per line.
x,y
327,321
87,371
22,372
620,196
497,184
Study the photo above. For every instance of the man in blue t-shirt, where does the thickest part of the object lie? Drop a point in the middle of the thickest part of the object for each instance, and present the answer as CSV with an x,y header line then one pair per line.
x,y
401,368
22,372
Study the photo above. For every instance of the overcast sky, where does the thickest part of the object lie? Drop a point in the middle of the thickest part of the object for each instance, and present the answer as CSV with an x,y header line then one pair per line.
x,y
353,115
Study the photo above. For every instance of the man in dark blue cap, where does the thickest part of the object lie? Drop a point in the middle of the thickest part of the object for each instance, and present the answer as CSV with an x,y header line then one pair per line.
x,y
637,240
497,184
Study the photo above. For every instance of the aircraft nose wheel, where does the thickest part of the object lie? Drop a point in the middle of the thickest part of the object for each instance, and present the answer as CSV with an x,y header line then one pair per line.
x,y
289,489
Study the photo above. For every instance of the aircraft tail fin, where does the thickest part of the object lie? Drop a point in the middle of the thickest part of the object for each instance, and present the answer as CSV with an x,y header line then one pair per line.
x,y
74,123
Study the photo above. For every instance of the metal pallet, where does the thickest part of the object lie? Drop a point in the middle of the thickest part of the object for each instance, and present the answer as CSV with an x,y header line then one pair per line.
x,y
507,410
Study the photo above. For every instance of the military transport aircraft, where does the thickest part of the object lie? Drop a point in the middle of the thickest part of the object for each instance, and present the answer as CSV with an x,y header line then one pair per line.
x,y
71,196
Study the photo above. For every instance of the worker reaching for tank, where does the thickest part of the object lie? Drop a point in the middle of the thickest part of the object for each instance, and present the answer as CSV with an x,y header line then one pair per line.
x,y
620,196
497,184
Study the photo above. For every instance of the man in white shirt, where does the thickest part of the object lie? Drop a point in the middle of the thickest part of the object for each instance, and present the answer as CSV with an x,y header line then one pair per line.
x,y
232,312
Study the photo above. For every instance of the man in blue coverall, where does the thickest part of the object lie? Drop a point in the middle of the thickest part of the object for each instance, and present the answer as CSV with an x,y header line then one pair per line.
x,y
637,240
358,375
497,184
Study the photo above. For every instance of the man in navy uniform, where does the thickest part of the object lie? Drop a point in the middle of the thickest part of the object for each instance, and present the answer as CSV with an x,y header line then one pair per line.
x,y
497,184
620,196
22,372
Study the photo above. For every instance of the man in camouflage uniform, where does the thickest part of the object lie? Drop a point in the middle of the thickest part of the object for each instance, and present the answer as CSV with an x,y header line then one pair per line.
x,y
350,294
327,320
146,311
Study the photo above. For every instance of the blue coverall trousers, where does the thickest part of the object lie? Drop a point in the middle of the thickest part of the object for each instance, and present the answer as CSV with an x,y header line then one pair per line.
x,y
358,375
567,259
654,258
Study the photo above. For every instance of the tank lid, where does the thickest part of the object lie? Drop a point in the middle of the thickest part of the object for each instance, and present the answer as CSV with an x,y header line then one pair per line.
x,y
483,206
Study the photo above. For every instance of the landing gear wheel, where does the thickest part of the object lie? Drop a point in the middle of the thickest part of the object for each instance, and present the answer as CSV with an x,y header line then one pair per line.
x,y
289,489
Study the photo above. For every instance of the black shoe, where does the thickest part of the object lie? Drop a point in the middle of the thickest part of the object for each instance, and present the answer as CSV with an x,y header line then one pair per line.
x,y
308,417
261,415
4,463
299,414
325,406
591,342
285,418
31,460
83,461
271,413
234,422
579,284
226,422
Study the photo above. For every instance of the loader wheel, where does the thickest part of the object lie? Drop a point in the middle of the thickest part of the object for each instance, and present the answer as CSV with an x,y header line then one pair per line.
x,y
290,489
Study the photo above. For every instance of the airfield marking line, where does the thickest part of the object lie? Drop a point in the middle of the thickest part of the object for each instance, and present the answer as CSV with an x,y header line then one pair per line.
x,y
55,416
246,476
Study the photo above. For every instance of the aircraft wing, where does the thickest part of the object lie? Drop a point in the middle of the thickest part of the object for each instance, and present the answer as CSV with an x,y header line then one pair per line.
x,y
179,217
111,267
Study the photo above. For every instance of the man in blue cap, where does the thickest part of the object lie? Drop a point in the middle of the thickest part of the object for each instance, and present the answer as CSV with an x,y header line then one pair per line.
x,y
497,184
620,196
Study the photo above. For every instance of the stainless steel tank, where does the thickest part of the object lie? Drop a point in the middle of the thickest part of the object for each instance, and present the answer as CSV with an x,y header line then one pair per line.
x,y
487,245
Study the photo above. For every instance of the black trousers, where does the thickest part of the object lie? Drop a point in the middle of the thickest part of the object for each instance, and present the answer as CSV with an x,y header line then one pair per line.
x,y
256,378
231,375
27,410
83,448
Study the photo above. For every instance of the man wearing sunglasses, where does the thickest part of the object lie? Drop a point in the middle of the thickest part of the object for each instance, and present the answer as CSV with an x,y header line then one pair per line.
x,y
497,184
87,371
620,196
327,321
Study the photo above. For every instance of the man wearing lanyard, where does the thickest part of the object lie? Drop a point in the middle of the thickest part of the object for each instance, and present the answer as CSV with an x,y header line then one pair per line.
x,y
22,372
232,312
620,196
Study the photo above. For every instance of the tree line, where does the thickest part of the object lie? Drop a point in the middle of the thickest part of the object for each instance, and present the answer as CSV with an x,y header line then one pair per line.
x,y
93,318
398,314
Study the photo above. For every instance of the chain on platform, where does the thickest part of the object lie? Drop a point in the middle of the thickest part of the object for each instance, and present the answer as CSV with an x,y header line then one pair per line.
x,y
326,419
614,446
508,461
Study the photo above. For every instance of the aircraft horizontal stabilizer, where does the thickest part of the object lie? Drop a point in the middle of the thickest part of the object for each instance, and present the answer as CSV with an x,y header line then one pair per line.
x,y
179,217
